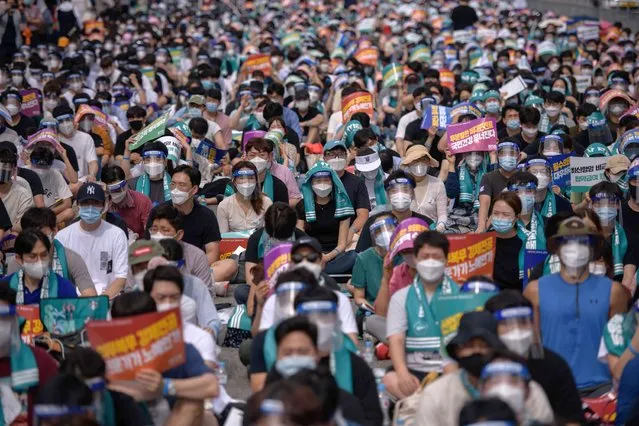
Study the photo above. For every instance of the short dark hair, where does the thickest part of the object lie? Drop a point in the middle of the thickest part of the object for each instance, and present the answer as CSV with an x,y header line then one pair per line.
x,y
133,303
172,249
554,96
509,107
84,362
65,389
363,136
510,198
433,239
275,89
214,93
586,109
259,144
301,275
486,409
506,299
135,112
170,214
38,217
199,125
8,156
363,118
608,188
194,174
112,174
61,109
315,294
280,220
522,178
296,323
163,273
28,238
7,294
529,115
272,109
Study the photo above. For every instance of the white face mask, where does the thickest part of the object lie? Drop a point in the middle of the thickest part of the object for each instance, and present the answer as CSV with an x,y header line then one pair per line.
x,y
302,105
154,170
431,270
260,164
542,180
313,268
528,132
179,197
552,111
574,254
337,164
13,109
473,160
35,270
322,189
118,197
518,340
514,396
370,175
419,169
583,125
246,189
400,201
158,236
163,307
67,128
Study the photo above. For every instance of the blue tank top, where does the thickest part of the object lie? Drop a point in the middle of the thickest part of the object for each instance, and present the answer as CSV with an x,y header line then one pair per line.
x,y
572,320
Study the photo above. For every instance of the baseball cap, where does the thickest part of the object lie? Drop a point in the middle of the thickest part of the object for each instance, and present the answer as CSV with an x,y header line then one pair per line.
x,y
307,242
90,191
142,251
334,144
617,164
197,100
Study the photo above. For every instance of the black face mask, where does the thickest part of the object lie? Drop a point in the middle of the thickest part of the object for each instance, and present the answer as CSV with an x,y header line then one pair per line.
x,y
473,364
136,125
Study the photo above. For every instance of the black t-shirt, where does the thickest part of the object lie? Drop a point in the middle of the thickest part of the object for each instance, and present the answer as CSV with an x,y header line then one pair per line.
x,y
325,228
292,137
365,241
251,254
121,141
73,159
97,140
33,179
630,219
554,375
418,136
463,16
5,220
156,189
127,411
506,270
493,183
23,125
200,226
310,114
356,191
280,192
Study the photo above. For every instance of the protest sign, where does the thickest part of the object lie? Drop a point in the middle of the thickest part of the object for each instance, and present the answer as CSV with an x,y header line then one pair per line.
x,y
436,116
451,307
392,75
173,147
176,55
128,345
475,135
560,169
447,79
181,132
471,254
583,82
150,132
277,259
46,136
291,39
404,234
367,56
356,102
512,88
633,110
420,53
229,245
247,136
258,62
588,30
65,316
532,258
30,102
463,36
586,172
32,325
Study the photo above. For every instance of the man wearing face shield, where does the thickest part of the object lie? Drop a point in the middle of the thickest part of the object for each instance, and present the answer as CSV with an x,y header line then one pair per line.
x,y
155,181
516,328
595,298
546,202
132,206
6,133
12,101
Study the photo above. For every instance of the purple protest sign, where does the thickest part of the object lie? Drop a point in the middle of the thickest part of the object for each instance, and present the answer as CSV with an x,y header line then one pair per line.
x,y
30,102
276,259
250,135
44,135
404,234
476,135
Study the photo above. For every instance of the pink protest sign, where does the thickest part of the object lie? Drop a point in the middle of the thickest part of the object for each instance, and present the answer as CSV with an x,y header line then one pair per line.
x,y
30,102
476,135
250,135
276,259
404,234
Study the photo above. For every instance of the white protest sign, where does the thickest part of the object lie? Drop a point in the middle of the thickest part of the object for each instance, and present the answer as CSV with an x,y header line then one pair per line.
x,y
512,88
586,172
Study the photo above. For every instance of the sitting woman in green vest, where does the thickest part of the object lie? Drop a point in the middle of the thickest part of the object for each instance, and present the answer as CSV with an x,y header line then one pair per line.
x,y
116,409
35,279
412,326
606,198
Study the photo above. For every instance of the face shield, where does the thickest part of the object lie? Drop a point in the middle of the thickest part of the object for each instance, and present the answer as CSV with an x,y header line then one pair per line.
x,y
526,193
381,232
478,286
517,330
575,254
540,169
631,150
507,154
324,315
507,381
54,415
400,193
154,163
284,299
552,145
606,206
473,160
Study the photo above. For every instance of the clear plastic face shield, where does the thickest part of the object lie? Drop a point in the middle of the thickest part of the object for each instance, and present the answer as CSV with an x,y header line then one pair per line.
x,y
245,182
59,415
382,230
507,154
517,330
400,194
606,206
473,160
631,150
323,314
117,191
284,299
526,193
575,254
507,381
541,170
552,145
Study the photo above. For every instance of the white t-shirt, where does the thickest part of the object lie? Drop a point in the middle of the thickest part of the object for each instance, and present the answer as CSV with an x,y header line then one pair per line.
x,y
82,144
104,250
213,129
344,310
404,122
202,340
334,121
18,200
54,185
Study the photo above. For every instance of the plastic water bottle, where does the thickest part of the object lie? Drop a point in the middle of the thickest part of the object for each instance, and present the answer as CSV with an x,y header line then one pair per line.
x,y
384,403
369,352
222,377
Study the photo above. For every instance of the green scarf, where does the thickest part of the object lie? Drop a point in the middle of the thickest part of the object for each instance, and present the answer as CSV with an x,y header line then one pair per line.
x,y
60,265
469,185
83,308
535,239
264,244
108,409
380,192
143,186
239,319
343,206
552,265
340,360
549,207
48,286
424,333
619,247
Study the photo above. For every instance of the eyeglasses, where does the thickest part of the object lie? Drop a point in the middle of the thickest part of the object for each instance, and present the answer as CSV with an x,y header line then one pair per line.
x,y
311,257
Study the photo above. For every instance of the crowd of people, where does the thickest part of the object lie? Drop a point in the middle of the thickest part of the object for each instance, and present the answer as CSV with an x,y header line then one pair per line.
x,y
137,138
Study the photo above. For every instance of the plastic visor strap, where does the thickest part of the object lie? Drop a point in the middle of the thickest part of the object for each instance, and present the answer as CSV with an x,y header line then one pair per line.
x,y
529,185
316,306
479,287
116,186
290,286
154,154
400,181
44,411
505,368
238,173
387,221
509,313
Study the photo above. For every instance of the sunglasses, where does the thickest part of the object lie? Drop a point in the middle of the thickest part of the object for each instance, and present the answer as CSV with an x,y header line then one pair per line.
x,y
311,257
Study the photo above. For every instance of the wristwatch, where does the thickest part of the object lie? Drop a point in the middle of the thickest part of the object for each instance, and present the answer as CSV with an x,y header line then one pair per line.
x,y
169,388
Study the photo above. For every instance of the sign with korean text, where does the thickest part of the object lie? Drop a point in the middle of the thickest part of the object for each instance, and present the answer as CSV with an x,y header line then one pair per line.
x,y
392,75
258,62
277,259
150,341
404,234
475,135
367,56
583,82
150,132
560,169
32,326
532,258
229,245
30,102
447,79
451,307
436,116
586,172
471,254
356,102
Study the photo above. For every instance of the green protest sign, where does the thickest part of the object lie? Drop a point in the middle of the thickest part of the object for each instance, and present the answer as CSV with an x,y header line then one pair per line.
x,y
450,308
150,132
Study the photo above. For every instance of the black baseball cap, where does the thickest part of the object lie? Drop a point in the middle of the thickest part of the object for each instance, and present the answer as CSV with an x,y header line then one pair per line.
x,y
90,191
307,242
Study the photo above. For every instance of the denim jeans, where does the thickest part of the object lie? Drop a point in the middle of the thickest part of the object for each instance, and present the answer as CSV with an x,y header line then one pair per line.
x,y
342,264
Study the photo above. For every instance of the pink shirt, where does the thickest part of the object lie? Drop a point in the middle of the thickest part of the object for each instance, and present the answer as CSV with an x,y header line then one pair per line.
x,y
224,122
285,175
401,278
137,214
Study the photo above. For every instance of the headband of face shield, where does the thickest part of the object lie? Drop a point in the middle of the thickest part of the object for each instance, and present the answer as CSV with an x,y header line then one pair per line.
x,y
538,162
400,182
601,196
53,411
272,407
552,143
117,187
505,369
243,172
382,230
323,314
631,149
524,186
506,148
285,297
160,154
478,286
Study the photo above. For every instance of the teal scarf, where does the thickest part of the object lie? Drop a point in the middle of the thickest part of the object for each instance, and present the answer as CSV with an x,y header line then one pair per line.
x,y
108,409
469,185
48,285
60,265
239,319
549,208
143,186
424,333
380,192
265,244
551,265
531,240
340,359
343,206
619,247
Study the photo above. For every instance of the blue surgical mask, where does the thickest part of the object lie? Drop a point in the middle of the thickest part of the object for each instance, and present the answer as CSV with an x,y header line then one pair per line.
x,y
606,214
211,107
90,214
513,124
292,364
195,112
207,84
502,225
508,163
527,202
493,107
